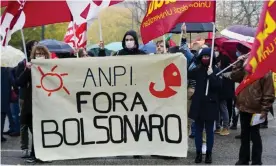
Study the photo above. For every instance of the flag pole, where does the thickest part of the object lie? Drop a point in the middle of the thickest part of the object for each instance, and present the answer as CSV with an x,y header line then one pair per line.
x,y
23,42
180,39
164,41
212,55
100,28
75,39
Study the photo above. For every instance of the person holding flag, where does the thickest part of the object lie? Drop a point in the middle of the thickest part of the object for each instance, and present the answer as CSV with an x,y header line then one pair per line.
x,y
204,109
255,94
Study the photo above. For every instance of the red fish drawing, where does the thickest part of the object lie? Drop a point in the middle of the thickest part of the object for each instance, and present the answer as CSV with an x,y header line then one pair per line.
x,y
171,76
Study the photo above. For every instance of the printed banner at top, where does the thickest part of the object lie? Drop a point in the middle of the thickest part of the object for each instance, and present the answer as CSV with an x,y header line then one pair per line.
x,y
163,15
262,57
113,106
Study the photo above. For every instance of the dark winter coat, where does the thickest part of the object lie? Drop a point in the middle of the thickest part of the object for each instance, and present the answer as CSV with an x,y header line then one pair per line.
x,y
24,80
125,50
228,86
5,89
205,107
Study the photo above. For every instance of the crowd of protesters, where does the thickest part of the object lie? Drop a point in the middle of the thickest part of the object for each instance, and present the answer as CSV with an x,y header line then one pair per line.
x,y
214,113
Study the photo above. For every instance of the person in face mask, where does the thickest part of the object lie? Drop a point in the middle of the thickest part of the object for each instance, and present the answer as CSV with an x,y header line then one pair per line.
x,y
130,44
40,52
204,109
241,50
24,80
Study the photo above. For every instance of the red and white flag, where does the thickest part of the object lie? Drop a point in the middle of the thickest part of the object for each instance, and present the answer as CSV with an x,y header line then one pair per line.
x,y
81,35
12,20
22,14
84,13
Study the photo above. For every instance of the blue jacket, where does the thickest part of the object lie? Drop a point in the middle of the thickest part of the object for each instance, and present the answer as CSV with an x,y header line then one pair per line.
x,y
187,52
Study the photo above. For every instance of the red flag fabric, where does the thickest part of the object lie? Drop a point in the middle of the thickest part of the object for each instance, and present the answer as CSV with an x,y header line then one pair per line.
x,y
10,20
4,3
162,16
263,54
39,13
83,13
81,35
23,13
171,43
210,34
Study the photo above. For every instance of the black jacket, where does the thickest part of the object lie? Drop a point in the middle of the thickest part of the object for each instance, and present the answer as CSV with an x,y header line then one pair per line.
x,y
125,50
24,80
228,86
205,107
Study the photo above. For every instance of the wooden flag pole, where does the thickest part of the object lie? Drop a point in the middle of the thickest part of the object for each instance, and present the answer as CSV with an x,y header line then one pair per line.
x,y
164,41
24,44
100,28
75,38
212,55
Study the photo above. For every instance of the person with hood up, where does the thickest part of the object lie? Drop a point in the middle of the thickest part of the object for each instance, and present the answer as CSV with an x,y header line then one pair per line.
x,y
205,109
130,45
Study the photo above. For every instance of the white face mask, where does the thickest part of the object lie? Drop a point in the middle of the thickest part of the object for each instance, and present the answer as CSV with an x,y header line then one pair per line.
x,y
40,57
216,53
130,44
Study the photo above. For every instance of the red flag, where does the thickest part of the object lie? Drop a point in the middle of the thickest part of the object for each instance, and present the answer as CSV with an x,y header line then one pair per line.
x,y
81,35
4,3
84,12
11,20
39,13
22,13
263,54
162,16
171,43
210,35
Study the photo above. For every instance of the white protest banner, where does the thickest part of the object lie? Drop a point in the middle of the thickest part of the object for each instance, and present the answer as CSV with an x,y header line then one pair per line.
x,y
111,106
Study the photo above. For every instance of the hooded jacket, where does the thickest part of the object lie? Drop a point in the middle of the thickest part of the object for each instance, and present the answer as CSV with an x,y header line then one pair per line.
x,y
205,107
134,51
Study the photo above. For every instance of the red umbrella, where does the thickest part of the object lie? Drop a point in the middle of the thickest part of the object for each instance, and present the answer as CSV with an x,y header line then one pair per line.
x,y
230,46
218,41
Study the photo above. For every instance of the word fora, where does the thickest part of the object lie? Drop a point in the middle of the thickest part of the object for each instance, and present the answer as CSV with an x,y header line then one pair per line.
x,y
110,102
163,128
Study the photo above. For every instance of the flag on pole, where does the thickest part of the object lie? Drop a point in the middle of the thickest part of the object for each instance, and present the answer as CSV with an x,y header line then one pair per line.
x,y
12,20
162,16
81,35
84,13
263,54
22,14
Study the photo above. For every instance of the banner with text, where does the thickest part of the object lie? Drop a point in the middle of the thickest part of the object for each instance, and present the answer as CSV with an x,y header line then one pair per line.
x,y
163,15
112,106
